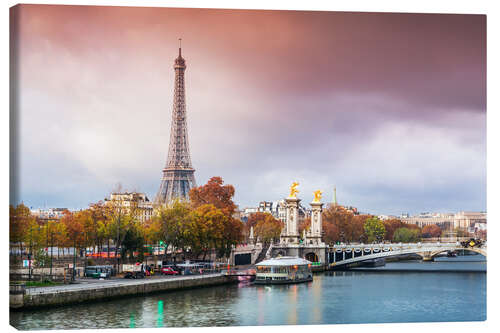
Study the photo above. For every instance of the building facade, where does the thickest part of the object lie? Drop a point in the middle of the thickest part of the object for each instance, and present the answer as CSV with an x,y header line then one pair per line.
x,y
136,204
448,221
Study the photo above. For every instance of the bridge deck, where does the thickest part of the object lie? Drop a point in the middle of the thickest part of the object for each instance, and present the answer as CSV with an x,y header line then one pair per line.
x,y
346,254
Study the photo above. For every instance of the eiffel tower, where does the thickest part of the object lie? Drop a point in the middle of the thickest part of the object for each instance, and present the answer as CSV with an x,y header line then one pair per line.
x,y
178,174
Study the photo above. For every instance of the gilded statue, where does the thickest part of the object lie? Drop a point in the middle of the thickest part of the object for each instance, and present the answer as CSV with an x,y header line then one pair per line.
x,y
317,196
293,190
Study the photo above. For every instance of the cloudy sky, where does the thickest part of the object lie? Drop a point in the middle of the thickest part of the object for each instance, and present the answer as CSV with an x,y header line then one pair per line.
x,y
389,108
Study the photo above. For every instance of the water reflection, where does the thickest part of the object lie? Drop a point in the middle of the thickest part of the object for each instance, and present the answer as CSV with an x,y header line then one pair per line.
x,y
159,322
292,304
132,321
317,293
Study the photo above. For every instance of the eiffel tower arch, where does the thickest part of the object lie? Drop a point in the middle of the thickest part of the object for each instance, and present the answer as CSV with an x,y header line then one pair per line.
x,y
178,174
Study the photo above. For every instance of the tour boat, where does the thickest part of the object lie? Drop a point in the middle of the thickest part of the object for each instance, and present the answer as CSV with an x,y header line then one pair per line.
x,y
283,270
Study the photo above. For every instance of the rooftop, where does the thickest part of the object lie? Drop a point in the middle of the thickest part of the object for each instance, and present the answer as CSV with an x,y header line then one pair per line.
x,y
284,261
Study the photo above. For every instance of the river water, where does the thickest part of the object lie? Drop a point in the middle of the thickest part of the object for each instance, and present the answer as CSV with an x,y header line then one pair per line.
x,y
449,289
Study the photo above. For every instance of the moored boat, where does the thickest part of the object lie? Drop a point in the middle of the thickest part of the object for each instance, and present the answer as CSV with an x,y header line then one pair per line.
x,y
283,270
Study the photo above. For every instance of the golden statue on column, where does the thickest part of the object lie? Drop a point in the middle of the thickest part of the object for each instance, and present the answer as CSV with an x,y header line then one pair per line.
x,y
317,195
293,190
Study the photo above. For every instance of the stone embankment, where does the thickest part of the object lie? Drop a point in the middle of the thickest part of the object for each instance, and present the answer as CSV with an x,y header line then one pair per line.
x,y
80,293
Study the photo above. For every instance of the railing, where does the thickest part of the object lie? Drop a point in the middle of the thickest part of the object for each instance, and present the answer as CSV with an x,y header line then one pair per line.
x,y
350,253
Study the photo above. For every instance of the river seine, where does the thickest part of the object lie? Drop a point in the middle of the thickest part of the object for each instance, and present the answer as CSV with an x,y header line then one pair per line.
x,y
449,289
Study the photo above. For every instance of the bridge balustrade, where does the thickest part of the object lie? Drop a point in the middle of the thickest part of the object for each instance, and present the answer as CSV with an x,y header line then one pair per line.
x,y
349,253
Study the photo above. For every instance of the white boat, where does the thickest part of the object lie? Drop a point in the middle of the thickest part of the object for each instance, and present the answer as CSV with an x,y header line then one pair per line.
x,y
283,270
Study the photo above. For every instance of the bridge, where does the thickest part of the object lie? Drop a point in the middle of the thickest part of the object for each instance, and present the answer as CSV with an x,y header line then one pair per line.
x,y
345,254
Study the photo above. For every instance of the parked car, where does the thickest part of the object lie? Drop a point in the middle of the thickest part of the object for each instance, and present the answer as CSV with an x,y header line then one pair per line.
x,y
168,271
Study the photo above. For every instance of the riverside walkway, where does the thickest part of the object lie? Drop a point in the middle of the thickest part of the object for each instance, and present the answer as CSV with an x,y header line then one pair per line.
x,y
95,290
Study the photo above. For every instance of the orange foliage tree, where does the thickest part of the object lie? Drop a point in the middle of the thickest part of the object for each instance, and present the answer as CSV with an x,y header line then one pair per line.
x,y
19,219
215,193
73,223
340,225
305,224
431,230
392,225
267,228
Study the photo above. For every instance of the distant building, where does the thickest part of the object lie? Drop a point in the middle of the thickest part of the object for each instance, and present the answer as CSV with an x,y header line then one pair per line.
x,y
275,208
265,207
134,203
387,217
448,221
49,213
465,220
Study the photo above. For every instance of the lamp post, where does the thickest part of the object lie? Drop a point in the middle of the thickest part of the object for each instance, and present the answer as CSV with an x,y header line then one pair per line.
x,y
51,252
74,260
29,253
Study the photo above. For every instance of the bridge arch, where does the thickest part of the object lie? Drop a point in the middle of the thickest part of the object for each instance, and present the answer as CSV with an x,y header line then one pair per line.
x,y
281,253
475,250
340,255
312,257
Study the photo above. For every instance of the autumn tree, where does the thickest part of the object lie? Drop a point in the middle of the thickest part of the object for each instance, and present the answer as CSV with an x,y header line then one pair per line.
x,y
331,232
98,219
232,235
341,225
374,229
268,229
215,193
431,230
73,223
305,224
207,229
390,226
19,219
253,218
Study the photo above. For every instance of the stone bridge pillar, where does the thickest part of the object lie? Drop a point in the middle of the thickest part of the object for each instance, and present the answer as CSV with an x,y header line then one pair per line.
x,y
314,236
427,256
291,232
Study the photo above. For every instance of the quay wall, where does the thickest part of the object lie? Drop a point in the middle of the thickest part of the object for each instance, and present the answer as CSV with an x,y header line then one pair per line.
x,y
90,294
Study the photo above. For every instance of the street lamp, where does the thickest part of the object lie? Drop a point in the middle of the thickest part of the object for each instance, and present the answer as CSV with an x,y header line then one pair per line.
x,y
74,260
29,253
52,250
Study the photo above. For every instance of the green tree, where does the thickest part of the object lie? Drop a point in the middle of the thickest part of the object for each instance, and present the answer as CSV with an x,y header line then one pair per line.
x,y
174,219
406,235
133,240
374,229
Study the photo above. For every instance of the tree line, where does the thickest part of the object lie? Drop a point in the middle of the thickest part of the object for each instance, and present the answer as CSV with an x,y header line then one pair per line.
x,y
341,225
191,228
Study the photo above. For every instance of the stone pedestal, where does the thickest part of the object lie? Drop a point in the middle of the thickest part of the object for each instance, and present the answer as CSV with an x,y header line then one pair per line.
x,y
314,234
291,231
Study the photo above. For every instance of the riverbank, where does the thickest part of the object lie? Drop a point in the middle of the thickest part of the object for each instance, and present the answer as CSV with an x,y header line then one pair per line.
x,y
73,294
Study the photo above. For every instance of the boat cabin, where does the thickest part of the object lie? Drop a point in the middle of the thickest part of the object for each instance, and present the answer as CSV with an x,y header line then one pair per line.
x,y
282,270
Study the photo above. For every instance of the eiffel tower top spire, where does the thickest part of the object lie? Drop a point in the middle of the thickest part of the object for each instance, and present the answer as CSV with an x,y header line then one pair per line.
x,y
178,174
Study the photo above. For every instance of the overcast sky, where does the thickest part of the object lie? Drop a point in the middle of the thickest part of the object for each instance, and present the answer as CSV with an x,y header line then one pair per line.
x,y
389,108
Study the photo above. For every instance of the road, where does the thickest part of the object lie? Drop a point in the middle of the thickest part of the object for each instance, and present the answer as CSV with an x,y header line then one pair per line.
x,y
89,283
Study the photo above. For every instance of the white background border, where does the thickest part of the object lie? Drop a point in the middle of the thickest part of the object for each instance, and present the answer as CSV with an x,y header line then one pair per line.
x,y
490,8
